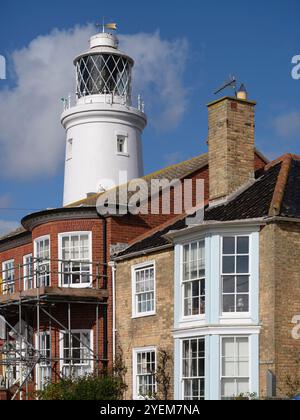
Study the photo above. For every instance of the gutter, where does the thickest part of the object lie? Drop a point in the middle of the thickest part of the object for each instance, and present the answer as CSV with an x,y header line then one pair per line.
x,y
141,253
213,223
282,219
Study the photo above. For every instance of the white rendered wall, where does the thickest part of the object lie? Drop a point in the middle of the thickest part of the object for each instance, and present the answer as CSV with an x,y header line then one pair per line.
x,y
94,160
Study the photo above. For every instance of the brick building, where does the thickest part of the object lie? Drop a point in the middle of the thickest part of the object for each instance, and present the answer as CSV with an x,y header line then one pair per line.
x,y
222,294
78,284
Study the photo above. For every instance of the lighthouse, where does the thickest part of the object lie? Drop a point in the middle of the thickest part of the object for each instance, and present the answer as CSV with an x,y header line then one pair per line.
x,y
103,128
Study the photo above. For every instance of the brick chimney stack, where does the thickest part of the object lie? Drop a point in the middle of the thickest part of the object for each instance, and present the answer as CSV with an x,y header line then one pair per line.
x,y
230,144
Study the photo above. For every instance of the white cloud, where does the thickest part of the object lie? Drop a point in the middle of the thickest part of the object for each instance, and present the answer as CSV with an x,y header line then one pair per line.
x,y
31,138
288,124
7,226
158,74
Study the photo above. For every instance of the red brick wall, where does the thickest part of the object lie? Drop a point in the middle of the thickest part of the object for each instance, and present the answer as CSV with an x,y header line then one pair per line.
x,y
17,255
119,229
54,228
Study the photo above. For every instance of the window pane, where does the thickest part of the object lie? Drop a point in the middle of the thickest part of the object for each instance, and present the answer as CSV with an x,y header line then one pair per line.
x,y
201,256
194,348
229,245
243,245
228,303
201,347
186,253
228,284
242,304
242,264
201,363
228,388
242,386
243,368
229,265
242,346
227,346
242,284
228,366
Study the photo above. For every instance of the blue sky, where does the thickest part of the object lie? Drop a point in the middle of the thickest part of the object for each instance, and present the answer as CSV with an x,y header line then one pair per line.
x,y
253,40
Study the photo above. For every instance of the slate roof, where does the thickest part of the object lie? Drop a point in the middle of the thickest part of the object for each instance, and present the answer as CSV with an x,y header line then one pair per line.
x,y
291,200
252,203
275,192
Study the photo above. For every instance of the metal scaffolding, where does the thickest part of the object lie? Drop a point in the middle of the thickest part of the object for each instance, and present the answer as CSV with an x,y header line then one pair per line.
x,y
28,351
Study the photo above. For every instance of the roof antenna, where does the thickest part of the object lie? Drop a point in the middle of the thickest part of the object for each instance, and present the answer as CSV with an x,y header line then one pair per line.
x,y
231,83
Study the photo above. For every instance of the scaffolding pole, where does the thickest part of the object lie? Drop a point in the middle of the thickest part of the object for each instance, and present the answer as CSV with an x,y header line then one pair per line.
x,y
31,353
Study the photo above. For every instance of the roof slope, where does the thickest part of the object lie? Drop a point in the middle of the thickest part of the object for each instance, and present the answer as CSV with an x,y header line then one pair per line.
x,y
177,171
291,200
252,203
276,191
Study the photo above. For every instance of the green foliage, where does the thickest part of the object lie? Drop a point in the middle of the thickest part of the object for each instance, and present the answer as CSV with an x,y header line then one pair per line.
x,y
247,396
90,387
163,374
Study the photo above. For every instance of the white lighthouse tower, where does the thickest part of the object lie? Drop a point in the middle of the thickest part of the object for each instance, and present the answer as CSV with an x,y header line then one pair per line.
x,y
103,129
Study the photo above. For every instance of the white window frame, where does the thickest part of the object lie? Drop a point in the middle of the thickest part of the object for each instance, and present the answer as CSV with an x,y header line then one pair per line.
x,y
90,364
234,336
26,276
135,384
200,316
135,313
90,241
237,315
191,338
40,239
42,366
124,137
6,285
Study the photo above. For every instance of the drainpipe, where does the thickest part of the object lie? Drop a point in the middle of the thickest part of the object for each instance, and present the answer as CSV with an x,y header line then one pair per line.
x,y
105,309
114,269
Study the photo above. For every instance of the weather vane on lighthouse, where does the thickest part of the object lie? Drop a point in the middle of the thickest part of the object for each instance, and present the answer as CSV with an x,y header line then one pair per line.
x,y
110,25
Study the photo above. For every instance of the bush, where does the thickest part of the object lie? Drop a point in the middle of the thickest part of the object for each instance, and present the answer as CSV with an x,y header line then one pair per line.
x,y
89,387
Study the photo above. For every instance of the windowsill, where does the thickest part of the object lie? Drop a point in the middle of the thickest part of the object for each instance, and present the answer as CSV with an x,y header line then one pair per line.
x,y
241,318
77,286
123,154
143,315
193,318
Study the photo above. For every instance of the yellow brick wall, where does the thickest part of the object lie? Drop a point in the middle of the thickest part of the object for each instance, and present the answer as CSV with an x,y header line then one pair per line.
x,y
154,330
230,146
279,303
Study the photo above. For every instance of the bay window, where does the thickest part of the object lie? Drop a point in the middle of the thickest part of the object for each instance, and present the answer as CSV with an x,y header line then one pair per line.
x,y
234,366
75,251
193,369
143,287
235,274
193,283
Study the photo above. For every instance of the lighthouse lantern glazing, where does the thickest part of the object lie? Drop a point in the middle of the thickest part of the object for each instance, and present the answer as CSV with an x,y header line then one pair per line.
x,y
103,129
